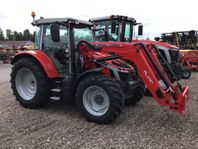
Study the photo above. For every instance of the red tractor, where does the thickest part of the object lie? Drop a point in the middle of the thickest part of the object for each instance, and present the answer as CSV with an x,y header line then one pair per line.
x,y
67,63
121,28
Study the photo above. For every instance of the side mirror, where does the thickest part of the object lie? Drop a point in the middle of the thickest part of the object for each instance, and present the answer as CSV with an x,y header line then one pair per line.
x,y
140,30
113,27
55,32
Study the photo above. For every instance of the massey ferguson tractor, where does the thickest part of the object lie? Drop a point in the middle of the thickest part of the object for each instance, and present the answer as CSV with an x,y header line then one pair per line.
x,y
121,28
67,63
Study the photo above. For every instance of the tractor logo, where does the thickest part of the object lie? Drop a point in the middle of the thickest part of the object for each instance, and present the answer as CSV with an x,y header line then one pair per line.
x,y
148,77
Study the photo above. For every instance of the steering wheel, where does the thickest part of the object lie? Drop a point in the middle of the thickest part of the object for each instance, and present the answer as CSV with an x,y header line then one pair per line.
x,y
88,44
105,37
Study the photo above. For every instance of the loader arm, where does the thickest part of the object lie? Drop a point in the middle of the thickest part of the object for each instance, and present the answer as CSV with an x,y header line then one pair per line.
x,y
153,75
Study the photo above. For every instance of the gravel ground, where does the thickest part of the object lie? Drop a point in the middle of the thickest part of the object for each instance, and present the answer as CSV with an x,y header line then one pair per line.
x,y
5,70
62,126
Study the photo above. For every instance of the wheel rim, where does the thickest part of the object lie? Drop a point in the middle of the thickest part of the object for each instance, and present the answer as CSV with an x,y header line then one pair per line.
x,y
185,73
26,84
96,100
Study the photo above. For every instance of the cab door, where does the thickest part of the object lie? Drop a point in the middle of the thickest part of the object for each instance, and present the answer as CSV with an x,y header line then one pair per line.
x,y
57,51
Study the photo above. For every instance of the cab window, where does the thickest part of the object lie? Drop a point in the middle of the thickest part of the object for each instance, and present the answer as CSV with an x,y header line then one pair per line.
x,y
83,34
37,37
48,42
127,33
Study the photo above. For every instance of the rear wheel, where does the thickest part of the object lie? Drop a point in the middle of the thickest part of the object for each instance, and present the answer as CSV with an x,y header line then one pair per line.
x,y
99,98
29,83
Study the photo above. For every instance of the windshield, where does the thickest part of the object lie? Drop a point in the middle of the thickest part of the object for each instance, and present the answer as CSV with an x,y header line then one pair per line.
x,y
106,26
83,34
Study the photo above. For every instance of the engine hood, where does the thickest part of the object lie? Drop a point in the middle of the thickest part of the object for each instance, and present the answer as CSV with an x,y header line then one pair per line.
x,y
157,43
129,45
113,45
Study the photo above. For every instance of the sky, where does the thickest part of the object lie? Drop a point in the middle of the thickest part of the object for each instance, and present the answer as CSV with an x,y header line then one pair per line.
x,y
157,16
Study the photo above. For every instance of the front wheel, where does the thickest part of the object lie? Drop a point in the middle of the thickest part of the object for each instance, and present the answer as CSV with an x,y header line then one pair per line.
x,y
136,95
99,98
186,74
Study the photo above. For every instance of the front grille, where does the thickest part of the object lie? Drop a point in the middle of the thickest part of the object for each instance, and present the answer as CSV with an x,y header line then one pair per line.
x,y
124,76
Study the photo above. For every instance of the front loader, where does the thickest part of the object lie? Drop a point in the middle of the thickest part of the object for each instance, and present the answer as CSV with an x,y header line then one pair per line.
x,y
151,72
66,63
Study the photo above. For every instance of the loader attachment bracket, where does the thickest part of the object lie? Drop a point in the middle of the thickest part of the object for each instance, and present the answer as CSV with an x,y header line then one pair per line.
x,y
158,82
182,98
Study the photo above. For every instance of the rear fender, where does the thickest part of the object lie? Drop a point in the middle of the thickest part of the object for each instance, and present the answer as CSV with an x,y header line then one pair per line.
x,y
44,60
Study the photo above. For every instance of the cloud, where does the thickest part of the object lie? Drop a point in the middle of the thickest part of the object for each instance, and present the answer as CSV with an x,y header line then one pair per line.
x,y
148,22
3,16
157,16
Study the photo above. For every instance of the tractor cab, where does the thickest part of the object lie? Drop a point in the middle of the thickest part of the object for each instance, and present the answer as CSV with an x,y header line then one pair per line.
x,y
58,38
65,65
115,28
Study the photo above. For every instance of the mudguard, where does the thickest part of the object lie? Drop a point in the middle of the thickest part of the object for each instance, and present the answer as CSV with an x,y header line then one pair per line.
x,y
43,59
86,73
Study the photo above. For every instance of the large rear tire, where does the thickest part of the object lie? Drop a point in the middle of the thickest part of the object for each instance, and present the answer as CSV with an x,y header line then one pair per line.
x,y
136,96
99,98
30,83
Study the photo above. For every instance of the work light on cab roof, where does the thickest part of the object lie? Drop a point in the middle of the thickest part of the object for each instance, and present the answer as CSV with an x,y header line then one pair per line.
x,y
33,14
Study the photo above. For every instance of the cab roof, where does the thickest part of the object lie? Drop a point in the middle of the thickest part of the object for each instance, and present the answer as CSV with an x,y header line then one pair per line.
x,y
113,17
60,20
